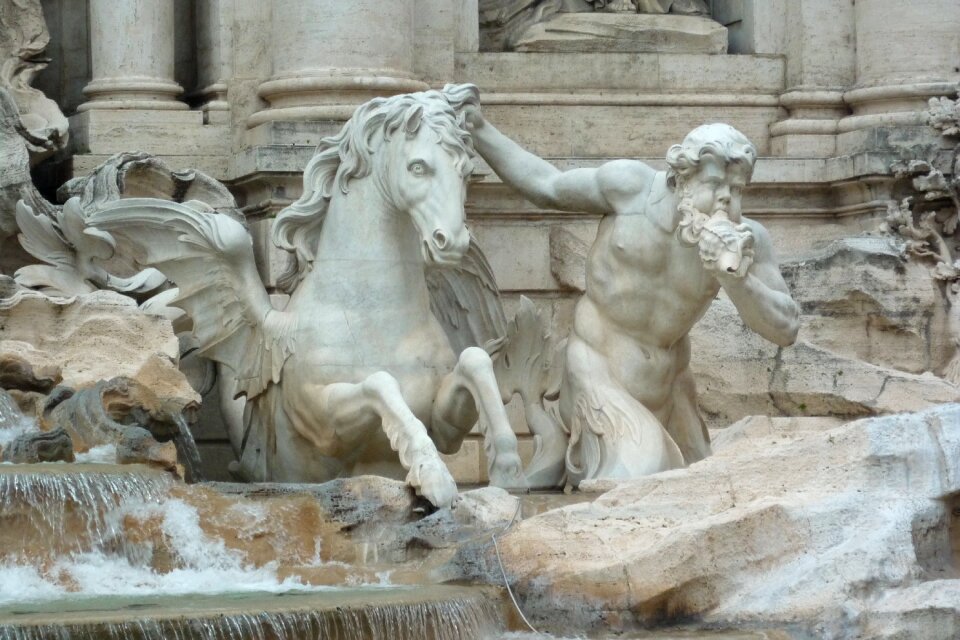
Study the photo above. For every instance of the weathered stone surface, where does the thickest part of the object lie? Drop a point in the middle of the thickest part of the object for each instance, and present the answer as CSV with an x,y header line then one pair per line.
x,y
117,369
871,333
128,415
24,369
94,337
862,298
40,446
832,533
382,520
624,32
136,445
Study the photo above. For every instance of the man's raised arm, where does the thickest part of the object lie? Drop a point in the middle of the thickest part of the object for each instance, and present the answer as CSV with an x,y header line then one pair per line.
x,y
588,190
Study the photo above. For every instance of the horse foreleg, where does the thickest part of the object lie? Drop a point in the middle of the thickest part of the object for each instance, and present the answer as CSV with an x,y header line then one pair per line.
x,y
469,387
352,409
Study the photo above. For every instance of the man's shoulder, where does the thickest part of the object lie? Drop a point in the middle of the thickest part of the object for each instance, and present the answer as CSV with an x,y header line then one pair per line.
x,y
629,178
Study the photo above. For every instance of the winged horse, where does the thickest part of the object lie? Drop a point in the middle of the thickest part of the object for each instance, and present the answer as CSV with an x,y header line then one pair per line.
x,y
359,372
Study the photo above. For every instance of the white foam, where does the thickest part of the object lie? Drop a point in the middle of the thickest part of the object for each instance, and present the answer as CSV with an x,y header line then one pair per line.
x,y
102,454
14,429
19,583
203,565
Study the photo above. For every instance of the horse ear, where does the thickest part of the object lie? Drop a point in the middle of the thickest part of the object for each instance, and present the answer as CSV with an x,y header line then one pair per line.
x,y
412,124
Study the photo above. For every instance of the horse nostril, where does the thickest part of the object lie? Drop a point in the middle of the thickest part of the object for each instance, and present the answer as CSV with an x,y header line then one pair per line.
x,y
440,239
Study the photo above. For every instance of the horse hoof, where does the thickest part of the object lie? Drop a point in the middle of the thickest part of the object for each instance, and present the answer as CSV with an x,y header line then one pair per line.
x,y
506,472
436,484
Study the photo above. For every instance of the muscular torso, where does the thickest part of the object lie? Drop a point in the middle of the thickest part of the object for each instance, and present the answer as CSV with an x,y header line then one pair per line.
x,y
645,290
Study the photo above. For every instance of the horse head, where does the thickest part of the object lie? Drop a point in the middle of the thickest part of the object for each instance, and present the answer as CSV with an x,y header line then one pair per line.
x,y
416,149
423,171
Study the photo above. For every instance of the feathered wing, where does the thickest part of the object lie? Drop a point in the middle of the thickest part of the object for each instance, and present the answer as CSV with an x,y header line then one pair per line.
x,y
466,301
209,257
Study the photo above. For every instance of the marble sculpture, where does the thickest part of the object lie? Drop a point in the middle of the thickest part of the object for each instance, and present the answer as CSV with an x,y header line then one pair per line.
x,y
668,242
394,343
503,22
357,374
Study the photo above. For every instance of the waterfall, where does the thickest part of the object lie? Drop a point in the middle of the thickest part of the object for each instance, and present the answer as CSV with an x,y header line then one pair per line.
x,y
428,613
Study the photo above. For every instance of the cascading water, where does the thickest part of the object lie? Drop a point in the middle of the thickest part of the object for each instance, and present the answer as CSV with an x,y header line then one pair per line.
x,y
71,567
455,614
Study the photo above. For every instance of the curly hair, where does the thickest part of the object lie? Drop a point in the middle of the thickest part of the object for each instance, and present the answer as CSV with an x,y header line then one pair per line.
x,y
718,140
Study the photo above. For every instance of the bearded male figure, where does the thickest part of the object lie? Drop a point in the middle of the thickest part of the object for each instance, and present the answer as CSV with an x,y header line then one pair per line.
x,y
668,242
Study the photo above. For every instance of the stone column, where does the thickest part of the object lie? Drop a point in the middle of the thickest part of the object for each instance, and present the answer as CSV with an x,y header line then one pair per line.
x,y
907,52
330,55
132,56
214,24
820,67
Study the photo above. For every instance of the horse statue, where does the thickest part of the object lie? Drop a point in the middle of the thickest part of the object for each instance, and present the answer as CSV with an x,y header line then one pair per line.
x,y
375,364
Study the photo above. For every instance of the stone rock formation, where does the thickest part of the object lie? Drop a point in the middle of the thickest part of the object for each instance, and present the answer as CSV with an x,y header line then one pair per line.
x,y
94,370
368,292
40,446
800,525
873,331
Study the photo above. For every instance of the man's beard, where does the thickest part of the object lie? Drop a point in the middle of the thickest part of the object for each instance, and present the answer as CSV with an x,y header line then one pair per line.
x,y
692,219
737,240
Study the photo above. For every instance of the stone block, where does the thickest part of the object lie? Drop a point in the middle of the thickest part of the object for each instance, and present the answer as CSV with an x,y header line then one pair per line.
x,y
759,535
589,127
804,145
464,465
612,73
307,133
161,133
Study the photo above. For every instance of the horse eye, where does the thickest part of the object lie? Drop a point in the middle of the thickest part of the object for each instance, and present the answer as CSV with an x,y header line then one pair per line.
x,y
418,168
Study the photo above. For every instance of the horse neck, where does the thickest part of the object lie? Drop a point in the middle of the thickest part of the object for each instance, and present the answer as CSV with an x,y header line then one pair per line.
x,y
368,244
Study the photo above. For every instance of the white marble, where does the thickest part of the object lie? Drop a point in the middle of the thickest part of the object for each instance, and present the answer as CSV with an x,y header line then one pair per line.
x,y
371,366
668,242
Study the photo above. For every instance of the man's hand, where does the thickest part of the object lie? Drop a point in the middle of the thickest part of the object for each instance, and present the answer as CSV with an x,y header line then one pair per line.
x,y
472,117
725,248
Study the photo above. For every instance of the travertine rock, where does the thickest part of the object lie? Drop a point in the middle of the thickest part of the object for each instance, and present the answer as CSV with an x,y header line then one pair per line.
x,y
833,533
385,519
40,446
94,337
117,369
136,445
130,416
871,332
25,369
863,298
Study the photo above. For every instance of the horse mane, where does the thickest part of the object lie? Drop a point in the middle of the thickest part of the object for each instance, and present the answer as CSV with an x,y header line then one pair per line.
x,y
348,155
